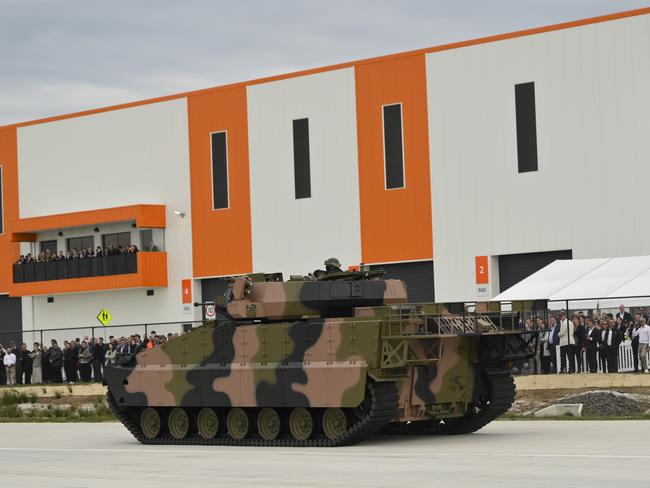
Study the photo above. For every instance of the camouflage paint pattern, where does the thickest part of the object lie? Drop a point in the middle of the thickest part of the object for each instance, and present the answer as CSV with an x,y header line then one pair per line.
x,y
307,344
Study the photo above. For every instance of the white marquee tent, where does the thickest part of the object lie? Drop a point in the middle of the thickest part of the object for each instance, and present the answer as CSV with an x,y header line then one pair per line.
x,y
587,283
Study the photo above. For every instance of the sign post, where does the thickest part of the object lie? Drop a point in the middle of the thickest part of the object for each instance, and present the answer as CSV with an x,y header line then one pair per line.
x,y
104,317
210,311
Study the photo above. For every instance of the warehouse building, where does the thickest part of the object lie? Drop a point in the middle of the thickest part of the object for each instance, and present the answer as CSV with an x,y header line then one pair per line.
x,y
460,168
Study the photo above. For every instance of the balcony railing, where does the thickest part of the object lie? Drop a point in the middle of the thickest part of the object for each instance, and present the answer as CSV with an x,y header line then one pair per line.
x,y
76,268
143,269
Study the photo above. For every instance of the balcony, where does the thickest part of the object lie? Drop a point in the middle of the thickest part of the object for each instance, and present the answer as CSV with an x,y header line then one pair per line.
x,y
144,269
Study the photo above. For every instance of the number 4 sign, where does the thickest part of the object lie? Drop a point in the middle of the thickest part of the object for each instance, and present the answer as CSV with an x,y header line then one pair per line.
x,y
186,286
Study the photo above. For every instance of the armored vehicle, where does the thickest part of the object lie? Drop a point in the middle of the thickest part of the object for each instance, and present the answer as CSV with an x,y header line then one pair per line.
x,y
323,360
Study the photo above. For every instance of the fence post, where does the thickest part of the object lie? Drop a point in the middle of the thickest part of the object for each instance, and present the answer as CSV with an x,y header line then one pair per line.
x,y
146,332
41,331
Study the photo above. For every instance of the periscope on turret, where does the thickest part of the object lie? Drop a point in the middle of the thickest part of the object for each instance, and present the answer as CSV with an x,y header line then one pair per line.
x,y
325,359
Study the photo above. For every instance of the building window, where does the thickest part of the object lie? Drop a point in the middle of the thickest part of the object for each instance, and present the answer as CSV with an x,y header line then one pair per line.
x,y
49,245
301,171
146,240
80,243
116,240
526,127
219,151
2,207
393,146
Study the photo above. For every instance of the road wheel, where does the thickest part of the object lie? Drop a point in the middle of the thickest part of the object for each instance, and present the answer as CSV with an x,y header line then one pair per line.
x,y
150,422
334,423
207,423
268,424
237,423
178,423
301,424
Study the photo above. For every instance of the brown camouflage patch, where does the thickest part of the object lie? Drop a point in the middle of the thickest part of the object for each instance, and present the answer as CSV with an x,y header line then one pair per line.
x,y
329,379
150,376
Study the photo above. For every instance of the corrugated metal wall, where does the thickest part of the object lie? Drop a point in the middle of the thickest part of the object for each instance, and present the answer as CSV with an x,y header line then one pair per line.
x,y
515,267
418,277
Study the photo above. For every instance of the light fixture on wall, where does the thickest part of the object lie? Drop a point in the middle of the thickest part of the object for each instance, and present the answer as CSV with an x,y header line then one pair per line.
x,y
96,229
60,234
179,213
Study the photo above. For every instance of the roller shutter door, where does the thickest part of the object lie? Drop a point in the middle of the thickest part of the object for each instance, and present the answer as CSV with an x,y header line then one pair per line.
x,y
515,267
11,320
211,289
418,277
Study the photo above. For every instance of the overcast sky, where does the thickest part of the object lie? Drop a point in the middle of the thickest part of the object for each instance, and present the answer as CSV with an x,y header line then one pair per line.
x,y
62,56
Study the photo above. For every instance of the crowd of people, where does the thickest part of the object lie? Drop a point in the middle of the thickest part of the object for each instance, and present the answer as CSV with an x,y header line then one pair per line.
x,y
587,343
48,255
78,360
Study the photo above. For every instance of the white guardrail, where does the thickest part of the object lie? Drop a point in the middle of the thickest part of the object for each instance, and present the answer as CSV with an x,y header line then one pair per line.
x,y
625,359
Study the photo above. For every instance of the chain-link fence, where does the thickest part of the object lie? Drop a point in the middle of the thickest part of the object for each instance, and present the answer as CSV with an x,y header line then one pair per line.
x,y
45,336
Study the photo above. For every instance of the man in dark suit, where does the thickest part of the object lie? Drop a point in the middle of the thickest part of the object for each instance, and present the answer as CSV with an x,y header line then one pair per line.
x,y
611,341
579,334
553,341
592,337
623,315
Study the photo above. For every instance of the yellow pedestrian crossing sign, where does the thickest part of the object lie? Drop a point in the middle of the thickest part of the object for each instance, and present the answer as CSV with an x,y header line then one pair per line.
x,y
104,317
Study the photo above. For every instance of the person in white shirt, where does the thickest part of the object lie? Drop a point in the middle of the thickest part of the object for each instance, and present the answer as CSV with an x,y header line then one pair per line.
x,y
567,344
643,333
10,366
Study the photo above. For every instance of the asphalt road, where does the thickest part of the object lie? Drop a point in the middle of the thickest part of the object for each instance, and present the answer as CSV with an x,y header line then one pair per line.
x,y
518,454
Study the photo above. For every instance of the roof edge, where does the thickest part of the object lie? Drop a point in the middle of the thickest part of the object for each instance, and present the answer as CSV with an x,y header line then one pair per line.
x,y
348,64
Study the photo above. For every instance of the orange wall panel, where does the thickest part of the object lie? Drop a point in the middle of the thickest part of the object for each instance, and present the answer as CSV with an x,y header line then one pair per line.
x,y
143,215
395,224
221,239
9,251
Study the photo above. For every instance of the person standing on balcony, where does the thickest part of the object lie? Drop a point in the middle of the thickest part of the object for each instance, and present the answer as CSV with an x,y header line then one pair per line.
x,y
642,333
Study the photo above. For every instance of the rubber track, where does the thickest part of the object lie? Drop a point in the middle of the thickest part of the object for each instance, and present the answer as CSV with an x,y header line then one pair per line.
x,y
501,399
383,406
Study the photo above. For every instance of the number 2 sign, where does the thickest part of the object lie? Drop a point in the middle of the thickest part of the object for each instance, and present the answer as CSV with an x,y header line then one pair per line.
x,y
482,277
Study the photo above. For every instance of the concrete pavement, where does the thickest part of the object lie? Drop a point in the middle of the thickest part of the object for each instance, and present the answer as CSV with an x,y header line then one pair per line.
x,y
504,454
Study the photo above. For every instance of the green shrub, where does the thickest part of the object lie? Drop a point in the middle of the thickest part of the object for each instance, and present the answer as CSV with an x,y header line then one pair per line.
x,y
11,412
13,397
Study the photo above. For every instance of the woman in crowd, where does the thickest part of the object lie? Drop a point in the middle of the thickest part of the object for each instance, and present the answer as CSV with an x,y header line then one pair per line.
x,y
111,355
84,362
37,371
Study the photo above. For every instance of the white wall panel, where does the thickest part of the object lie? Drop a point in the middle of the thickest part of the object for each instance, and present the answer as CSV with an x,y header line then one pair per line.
x,y
290,235
121,157
593,106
